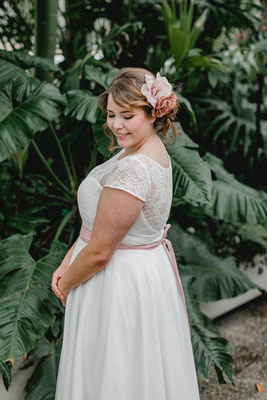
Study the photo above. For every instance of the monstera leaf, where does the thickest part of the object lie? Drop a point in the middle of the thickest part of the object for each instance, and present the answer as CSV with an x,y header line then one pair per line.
x,y
82,105
208,345
191,176
95,74
9,71
233,201
216,278
27,306
27,107
25,61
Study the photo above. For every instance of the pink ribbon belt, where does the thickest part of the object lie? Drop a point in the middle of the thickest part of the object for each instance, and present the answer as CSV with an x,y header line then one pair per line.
x,y
85,235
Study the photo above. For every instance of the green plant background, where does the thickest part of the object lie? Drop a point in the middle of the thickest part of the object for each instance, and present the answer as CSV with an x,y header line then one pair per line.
x,y
51,137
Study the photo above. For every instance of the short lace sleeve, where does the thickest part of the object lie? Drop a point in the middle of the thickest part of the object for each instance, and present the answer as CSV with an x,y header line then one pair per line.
x,y
132,176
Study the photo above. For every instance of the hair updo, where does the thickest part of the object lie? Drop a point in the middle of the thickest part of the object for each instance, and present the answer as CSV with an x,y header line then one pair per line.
x,y
126,90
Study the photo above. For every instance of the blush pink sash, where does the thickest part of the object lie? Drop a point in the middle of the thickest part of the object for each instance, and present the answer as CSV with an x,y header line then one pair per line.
x,y
85,235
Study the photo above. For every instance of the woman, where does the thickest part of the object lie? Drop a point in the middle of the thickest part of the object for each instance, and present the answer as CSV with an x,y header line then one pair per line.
x,y
126,332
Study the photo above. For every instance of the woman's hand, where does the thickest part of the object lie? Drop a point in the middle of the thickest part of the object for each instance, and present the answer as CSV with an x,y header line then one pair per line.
x,y
56,288
63,291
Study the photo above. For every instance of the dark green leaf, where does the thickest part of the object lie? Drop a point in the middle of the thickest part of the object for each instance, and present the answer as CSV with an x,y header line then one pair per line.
x,y
208,345
26,61
233,201
27,305
82,105
26,112
95,74
216,278
191,176
42,383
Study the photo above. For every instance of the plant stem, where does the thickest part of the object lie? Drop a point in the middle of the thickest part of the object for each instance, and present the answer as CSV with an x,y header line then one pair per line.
x,y
72,164
52,130
42,158
64,222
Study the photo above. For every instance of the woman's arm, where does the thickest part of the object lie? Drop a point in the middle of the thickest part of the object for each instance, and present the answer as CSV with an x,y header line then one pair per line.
x,y
117,211
61,270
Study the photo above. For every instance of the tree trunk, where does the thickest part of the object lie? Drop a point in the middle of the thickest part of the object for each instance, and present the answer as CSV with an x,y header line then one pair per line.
x,y
45,34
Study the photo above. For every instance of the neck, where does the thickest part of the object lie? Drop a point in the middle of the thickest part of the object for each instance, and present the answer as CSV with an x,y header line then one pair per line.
x,y
151,137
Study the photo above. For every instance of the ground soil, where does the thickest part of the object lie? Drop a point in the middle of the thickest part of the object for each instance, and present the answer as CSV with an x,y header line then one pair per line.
x,y
246,330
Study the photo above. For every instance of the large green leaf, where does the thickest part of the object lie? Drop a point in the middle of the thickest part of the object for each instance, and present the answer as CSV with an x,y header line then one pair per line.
x,y
216,278
82,105
9,71
27,306
208,345
26,107
191,176
42,383
97,75
233,201
25,61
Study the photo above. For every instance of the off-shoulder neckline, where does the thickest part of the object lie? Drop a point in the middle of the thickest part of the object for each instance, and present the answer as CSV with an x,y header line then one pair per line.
x,y
144,155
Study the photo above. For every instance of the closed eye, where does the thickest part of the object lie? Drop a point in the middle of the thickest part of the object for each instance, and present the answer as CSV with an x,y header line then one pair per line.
x,y
112,116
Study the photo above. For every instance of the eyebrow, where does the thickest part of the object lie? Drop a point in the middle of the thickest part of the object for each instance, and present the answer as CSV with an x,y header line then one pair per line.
x,y
122,112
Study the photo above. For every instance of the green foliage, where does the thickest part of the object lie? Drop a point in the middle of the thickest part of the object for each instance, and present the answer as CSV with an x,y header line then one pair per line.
x,y
208,346
42,383
233,201
27,107
192,179
230,118
26,306
216,278
40,195
82,105
25,61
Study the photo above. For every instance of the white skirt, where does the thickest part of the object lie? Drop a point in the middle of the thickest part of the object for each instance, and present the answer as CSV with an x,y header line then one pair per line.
x,y
126,333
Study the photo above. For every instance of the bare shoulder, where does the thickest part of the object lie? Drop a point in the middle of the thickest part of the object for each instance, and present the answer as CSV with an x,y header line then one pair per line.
x,y
157,151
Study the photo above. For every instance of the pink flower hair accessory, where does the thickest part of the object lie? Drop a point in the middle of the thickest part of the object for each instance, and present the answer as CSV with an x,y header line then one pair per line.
x,y
159,94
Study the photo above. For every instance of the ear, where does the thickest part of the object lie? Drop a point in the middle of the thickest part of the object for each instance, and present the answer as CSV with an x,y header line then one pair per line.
x,y
152,119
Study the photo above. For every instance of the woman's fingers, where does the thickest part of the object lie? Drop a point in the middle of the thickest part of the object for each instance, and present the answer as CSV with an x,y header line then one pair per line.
x,y
55,288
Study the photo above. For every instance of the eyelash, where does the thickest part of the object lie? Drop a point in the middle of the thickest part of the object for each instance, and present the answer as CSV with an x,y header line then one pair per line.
x,y
112,116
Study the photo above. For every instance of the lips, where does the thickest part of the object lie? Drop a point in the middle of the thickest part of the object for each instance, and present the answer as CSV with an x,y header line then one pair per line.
x,y
121,135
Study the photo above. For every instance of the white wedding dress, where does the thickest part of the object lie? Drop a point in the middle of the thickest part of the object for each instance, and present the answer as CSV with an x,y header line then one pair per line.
x,y
126,333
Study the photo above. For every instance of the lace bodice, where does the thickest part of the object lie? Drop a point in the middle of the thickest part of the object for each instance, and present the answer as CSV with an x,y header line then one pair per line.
x,y
139,175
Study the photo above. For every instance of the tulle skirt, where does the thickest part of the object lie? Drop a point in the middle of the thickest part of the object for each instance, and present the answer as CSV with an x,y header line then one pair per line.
x,y
126,333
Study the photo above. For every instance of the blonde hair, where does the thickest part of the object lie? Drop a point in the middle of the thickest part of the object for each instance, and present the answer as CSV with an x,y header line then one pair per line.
x,y
126,90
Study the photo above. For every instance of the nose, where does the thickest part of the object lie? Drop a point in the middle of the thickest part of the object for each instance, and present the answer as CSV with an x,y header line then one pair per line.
x,y
117,124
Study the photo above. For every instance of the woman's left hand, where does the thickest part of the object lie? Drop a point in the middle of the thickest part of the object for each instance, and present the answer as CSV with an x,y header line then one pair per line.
x,y
63,291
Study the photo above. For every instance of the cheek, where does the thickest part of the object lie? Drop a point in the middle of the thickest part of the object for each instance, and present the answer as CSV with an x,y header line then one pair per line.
x,y
109,124
138,124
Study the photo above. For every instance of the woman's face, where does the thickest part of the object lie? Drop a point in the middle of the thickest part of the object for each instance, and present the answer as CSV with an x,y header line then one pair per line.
x,y
131,126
